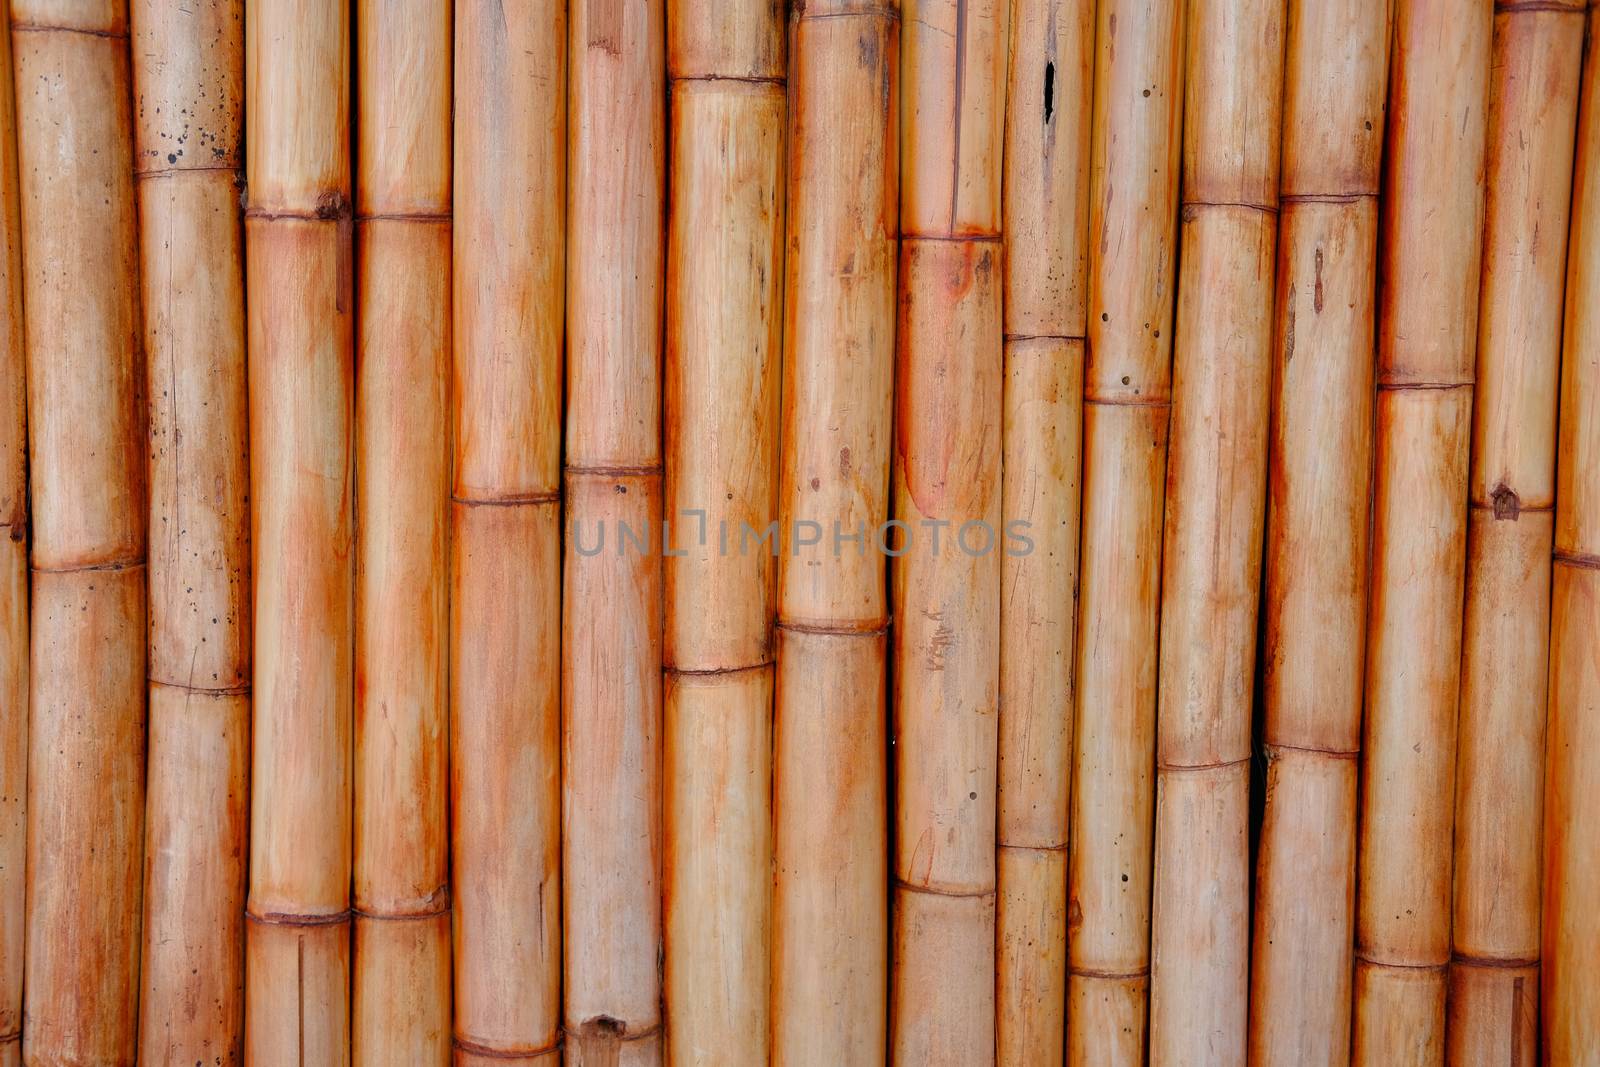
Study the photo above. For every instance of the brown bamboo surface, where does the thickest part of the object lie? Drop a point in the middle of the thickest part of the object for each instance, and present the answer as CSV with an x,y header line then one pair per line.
x,y
87,482
1494,979
1429,256
1211,558
508,269
1319,478
724,334
1133,208
611,604
13,577
400,996
1571,924
188,79
1044,212
299,271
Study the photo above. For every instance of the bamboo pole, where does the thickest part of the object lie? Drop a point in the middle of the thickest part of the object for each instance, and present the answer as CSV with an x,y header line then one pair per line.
x,y
13,577
1211,558
1045,213
611,603
1319,476
723,350
1133,201
1494,976
188,74
505,537
948,412
299,274
1571,923
400,999
830,802
1429,255
86,436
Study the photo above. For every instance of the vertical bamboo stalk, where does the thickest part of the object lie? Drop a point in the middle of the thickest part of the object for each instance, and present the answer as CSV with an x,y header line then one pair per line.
x,y
13,576
400,999
188,77
611,603
87,478
1319,477
724,332
299,273
1133,201
1427,331
829,907
1494,976
1211,558
1571,923
1045,216
948,416
505,537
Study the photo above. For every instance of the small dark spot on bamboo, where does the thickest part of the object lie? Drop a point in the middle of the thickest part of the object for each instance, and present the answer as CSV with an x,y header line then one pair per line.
x,y
816,483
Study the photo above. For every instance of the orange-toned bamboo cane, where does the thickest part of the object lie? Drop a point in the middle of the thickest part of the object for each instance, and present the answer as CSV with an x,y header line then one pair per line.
x,y
724,332
1427,332
1494,978
400,998
13,577
1045,218
1133,202
611,603
949,411
1211,560
1571,922
830,807
300,289
505,596
188,73
1319,476
87,477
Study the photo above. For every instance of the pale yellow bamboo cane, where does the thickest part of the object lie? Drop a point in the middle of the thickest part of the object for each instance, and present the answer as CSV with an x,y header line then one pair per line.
x,y
723,346
86,438
830,871
188,74
1571,922
1427,333
505,599
1494,977
400,999
1133,201
300,292
1045,218
611,603
13,576
1216,476
1319,477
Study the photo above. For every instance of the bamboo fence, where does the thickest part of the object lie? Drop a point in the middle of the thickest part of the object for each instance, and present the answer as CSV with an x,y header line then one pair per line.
x,y
799,532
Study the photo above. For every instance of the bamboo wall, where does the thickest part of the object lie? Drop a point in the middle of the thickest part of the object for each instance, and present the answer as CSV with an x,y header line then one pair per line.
x,y
801,532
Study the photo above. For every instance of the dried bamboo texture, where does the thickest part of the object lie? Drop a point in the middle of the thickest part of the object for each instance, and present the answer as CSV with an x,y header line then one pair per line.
x,y
188,79
1429,255
611,605
1319,480
1571,924
505,540
85,804
300,275
949,411
723,351
400,997
830,941
13,576
1211,556
1133,202
1493,1007
1045,214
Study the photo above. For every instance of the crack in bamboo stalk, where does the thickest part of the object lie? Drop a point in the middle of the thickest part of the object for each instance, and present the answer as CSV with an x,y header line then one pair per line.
x,y
1127,401
1289,199
141,174
1421,387
1186,206
1513,7
603,1026
1521,509
1220,765
603,471
404,216
477,1048
35,27
279,918
935,891
510,500
1068,337
843,628
1581,560
201,690
127,564
747,79
1012,847
406,916
1114,976
1491,963
1426,968
1332,753
954,238
890,13
715,672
